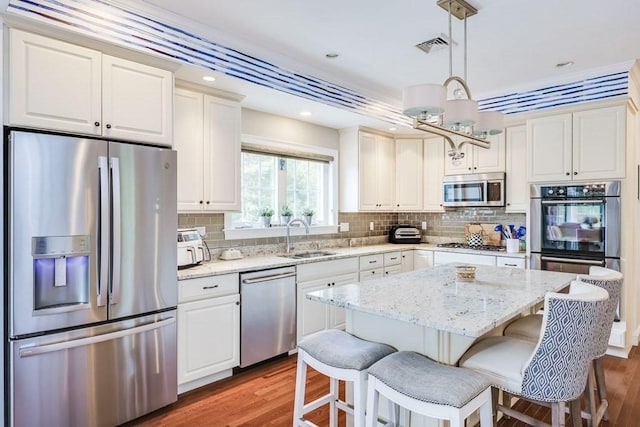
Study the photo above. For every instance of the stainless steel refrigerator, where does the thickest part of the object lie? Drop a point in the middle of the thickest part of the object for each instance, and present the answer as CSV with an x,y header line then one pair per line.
x,y
91,283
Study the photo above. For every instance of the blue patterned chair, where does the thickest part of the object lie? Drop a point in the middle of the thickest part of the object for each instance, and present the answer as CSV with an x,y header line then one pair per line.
x,y
554,370
528,328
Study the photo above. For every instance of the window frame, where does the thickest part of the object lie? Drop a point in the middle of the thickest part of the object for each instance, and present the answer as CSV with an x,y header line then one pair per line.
x,y
332,196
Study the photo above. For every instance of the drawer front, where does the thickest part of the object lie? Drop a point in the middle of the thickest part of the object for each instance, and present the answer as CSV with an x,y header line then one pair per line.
x,y
375,273
392,258
324,269
368,262
510,262
208,287
392,269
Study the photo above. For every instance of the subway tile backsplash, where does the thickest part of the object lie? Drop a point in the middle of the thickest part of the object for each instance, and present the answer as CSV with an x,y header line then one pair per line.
x,y
441,228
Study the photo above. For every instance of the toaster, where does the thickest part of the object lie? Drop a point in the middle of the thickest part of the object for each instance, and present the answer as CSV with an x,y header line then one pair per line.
x,y
404,233
191,248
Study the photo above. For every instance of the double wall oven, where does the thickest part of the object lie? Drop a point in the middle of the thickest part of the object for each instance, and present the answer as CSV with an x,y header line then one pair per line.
x,y
575,226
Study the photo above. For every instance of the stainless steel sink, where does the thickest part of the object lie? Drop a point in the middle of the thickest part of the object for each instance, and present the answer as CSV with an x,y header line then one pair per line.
x,y
305,255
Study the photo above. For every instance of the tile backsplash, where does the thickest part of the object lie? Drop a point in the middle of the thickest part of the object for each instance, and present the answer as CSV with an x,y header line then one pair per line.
x,y
441,228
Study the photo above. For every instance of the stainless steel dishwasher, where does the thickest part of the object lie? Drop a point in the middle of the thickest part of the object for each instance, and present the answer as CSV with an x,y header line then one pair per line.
x,y
267,314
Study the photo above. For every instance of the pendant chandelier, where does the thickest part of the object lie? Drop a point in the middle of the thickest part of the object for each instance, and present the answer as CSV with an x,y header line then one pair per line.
x,y
432,112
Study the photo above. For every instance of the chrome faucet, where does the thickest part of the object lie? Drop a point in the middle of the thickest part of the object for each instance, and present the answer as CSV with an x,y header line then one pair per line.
x,y
294,220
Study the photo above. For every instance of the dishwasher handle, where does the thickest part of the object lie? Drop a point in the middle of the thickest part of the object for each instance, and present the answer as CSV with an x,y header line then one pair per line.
x,y
268,278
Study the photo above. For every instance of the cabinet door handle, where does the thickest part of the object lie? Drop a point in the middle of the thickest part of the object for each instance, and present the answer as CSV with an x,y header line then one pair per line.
x,y
108,126
567,174
210,287
208,202
201,201
575,173
96,124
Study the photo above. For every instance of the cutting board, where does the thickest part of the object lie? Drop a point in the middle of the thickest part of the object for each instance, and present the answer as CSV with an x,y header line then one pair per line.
x,y
491,237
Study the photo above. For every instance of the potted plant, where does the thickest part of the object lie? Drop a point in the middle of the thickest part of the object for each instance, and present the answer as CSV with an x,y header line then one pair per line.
x,y
285,214
266,214
307,214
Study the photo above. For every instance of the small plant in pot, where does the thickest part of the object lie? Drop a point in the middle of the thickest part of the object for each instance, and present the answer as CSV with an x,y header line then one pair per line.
x,y
307,214
285,214
266,214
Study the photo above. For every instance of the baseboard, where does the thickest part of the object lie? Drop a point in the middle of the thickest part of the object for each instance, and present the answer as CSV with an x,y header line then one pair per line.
x,y
200,382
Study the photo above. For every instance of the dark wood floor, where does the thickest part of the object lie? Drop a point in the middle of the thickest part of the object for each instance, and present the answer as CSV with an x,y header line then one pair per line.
x,y
263,396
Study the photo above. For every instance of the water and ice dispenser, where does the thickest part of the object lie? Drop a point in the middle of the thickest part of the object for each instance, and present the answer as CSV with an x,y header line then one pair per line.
x,y
60,272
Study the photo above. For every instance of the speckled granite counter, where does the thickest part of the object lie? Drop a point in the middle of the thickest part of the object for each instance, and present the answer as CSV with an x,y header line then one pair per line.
x,y
428,311
215,267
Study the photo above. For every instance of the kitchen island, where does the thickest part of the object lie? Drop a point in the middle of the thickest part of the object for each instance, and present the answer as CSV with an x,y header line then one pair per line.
x,y
429,312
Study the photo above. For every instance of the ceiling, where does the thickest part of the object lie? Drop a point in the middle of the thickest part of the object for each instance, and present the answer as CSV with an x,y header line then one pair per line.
x,y
513,45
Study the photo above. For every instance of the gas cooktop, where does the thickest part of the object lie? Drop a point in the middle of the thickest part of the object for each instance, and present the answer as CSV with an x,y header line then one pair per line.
x,y
476,247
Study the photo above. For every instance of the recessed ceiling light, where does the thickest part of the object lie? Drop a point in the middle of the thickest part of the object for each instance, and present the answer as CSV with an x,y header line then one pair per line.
x,y
305,113
209,78
332,55
393,129
564,64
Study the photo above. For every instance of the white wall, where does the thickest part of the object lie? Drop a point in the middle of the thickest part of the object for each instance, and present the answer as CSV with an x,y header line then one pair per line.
x,y
284,129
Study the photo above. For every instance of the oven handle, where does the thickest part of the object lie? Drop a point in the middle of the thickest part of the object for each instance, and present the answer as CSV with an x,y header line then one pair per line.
x,y
573,261
566,202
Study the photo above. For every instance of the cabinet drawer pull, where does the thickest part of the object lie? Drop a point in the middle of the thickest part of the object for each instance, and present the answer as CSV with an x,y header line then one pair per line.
x,y
210,287
373,262
510,265
393,258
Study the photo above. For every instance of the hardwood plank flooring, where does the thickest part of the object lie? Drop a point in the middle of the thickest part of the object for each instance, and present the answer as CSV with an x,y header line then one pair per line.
x,y
263,396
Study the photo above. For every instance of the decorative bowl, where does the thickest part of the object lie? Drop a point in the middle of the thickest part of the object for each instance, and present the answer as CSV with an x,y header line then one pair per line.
x,y
465,273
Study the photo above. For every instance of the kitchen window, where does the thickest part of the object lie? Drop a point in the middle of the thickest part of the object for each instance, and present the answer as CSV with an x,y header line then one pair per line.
x,y
274,175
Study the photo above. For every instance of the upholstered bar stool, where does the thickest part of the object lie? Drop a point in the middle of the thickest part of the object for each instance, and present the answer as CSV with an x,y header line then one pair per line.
x,y
554,370
341,357
420,385
528,328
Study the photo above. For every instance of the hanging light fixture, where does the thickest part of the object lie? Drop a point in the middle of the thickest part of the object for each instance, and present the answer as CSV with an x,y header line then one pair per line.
x,y
434,113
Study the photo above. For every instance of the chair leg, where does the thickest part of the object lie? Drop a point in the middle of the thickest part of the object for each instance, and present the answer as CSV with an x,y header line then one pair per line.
x,y
557,414
575,412
486,413
301,382
333,413
359,400
602,386
590,398
372,403
506,401
494,404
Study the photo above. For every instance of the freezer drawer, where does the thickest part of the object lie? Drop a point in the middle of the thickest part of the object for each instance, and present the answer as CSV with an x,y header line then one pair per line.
x,y
100,376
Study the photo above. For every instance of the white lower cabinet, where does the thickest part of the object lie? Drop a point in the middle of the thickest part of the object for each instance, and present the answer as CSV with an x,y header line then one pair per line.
x,y
208,330
422,259
407,261
313,316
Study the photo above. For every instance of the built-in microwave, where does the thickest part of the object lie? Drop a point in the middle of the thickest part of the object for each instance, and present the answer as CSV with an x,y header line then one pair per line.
x,y
482,189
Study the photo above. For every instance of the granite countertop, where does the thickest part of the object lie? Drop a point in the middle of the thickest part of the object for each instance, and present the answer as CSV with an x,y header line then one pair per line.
x,y
432,298
216,267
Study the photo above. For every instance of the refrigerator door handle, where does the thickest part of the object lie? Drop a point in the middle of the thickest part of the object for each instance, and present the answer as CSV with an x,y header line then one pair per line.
x,y
103,231
65,345
115,232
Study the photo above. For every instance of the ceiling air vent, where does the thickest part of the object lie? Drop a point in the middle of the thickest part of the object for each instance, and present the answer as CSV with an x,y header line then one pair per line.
x,y
435,44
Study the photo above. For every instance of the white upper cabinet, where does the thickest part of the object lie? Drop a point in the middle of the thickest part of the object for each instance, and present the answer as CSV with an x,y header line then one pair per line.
x,y
136,101
477,159
516,179
434,158
55,85
208,145
584,145
409,175
367,171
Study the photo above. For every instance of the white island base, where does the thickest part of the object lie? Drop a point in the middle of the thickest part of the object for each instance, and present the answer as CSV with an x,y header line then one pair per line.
x,y
438,345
